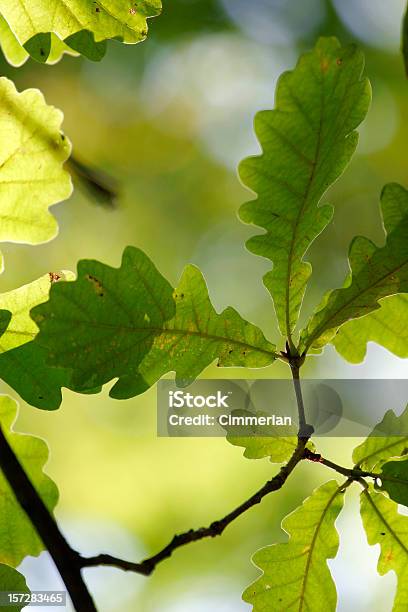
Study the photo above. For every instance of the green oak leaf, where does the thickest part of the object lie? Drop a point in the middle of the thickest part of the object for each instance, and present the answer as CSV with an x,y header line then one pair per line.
x,y
194,338
17,536
32,154
394,480
23,362
128,322
375,273
307,142
387,326
12,580
277,448
383,443
295,574
385,526
124,20
25,369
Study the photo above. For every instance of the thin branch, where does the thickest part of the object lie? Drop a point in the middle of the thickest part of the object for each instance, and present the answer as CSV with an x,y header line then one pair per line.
x,y
70,563
305,430
216,528
354,473
64,557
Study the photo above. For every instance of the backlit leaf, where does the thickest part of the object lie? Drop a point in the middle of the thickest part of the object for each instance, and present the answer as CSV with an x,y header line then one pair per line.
x,y
375,273
307,142
32,154
257,446
279,449
295,574
387,326
101,20
384,441
385,526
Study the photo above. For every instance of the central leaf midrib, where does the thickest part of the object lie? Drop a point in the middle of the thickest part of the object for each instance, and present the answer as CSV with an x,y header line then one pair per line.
x,y
312,546
169,332
299,216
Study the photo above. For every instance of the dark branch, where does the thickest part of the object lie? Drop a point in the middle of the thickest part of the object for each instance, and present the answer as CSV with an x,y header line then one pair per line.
x,y
65,558
70,563
354,473
305,430
216,528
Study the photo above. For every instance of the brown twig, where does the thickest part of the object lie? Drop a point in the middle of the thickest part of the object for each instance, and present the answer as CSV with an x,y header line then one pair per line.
x,y
216,528
70,563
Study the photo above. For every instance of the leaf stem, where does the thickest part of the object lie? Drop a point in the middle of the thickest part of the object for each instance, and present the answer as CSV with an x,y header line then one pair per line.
x,y
65,558
354,473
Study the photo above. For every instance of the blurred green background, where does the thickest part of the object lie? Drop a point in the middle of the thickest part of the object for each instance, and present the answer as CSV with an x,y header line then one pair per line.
x,y
170,119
